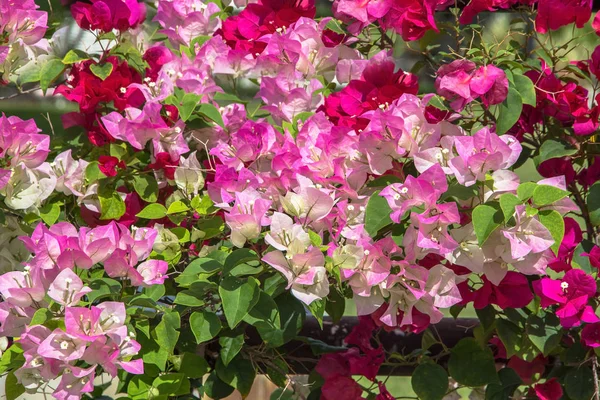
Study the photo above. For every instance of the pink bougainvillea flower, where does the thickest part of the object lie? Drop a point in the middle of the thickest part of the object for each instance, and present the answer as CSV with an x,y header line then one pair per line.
x,y
22,288
454,82
305,273
67,288
62,346
247,216
74,382
490,83
153,272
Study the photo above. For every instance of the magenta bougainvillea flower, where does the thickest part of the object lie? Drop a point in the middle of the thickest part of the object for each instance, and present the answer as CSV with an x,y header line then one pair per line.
x,y
106,15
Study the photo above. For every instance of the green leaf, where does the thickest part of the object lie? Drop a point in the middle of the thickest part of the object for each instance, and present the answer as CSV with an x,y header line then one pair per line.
x,y
472,365
544,332
191,365
12,388
486,219
167,332
230,347
111,205
377,214
526,89
212,113
579,383
317,309
12,358
202,204
555,149
188,104
215,388
336,305
511,335
593,203
525,190
508,202
139,387
211,227
430,381
102,71
544,195
240,374
51,70
50,213
153,211
238,257
315,239
238,297
555,223
74,56
42,315
319,347
177,207
194,296
93,173
252,107
155,292
205,325
172,384
146,186
503,391
103,287
510,111
264,316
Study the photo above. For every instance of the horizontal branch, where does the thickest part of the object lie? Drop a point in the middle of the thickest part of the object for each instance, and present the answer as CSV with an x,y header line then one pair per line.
x,y
451,331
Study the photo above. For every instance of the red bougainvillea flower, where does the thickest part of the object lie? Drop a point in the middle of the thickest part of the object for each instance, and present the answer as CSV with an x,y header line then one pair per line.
x,y
553,14
567,102
590,335
596,24
262,18
88,90
571,294
571,239
156,57
106,15
594,256
529,372
512,292
108,165
164,162
379,85
549,390
557,167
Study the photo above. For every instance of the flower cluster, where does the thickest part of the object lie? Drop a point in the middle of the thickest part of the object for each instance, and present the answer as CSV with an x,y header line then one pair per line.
x,y
98,336
412,19
461,82
22,28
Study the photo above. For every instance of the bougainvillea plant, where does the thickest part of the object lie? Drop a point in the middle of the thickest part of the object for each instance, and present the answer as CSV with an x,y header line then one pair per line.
x,y
231,169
